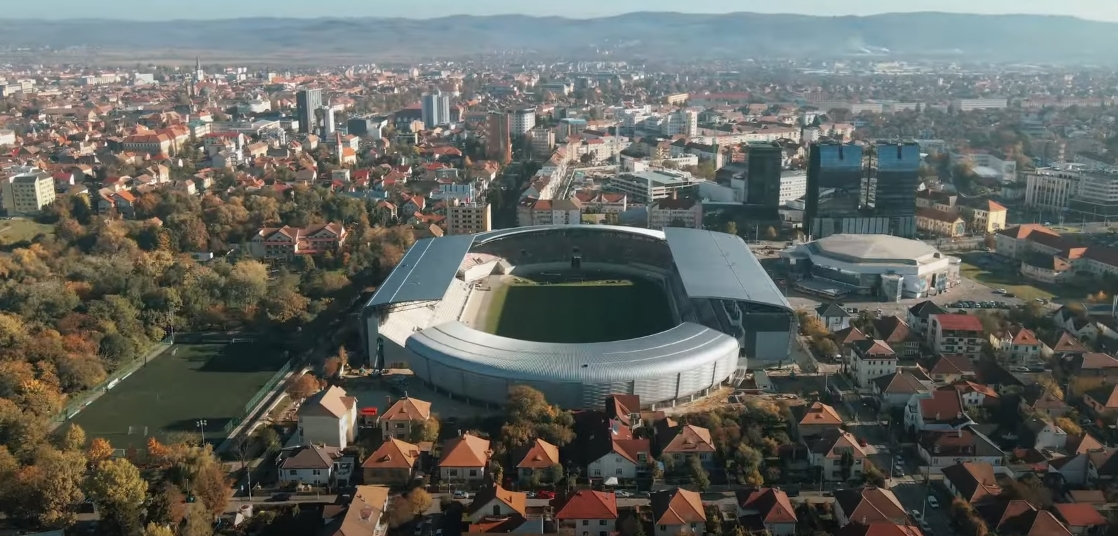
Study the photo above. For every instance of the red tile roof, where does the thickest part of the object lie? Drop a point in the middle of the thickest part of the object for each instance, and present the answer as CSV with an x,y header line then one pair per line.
x,y
1079,515
588,504
958,322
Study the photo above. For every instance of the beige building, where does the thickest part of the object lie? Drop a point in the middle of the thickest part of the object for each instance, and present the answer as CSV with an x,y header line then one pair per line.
x,y
27,193
940,223
675,213
469,218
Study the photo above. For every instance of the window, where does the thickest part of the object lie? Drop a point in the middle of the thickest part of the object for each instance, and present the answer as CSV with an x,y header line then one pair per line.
x,y
602,522
597,472
496,509
663,527
585,522
453,472
473,472
293,472
619,471
315,472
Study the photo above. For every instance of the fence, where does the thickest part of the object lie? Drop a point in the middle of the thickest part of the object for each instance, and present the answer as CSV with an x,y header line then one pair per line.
x,y
263,392
81,400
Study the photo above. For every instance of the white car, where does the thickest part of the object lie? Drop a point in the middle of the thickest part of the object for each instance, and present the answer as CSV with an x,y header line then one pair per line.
x,y
933,502
916,515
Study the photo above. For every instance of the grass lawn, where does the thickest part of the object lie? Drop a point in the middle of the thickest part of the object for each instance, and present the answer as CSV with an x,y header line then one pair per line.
x,y
572,313
15,231
188,383
1008,280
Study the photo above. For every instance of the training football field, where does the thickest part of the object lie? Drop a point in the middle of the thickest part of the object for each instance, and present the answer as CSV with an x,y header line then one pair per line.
x,y
186,384
572,313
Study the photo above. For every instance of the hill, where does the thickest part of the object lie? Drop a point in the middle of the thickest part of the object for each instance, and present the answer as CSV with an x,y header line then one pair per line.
x,y
1031,38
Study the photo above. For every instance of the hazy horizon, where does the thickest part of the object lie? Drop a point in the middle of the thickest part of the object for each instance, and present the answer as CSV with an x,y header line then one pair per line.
x,y
149,10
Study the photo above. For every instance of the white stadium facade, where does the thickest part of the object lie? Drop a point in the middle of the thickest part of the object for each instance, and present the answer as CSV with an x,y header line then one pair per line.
x,y
884,266
724,307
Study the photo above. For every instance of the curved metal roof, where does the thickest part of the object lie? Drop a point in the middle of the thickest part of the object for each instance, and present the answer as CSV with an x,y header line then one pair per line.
x,y
721,266
676,350
481,238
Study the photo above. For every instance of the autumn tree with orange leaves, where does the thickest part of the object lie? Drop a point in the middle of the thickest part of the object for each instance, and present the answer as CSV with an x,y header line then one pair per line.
x,y
99,450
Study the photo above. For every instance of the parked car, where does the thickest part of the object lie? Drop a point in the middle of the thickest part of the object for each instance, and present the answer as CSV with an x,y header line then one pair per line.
x,y
280,497
545,494
623,494
418,529
933,502
916,515
459,494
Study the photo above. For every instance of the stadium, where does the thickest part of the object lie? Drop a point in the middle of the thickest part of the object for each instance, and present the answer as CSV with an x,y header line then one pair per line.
x,y
578,312
884,266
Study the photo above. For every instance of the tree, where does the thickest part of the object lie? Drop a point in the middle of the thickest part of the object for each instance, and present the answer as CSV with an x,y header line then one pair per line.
x,y
714,519
302,387
556,473
70,438
1032,489
52,485
967,520
846,463
167,506
199,522
871,474
427,430
771,233
731,228
699,475
1069,426
99,449
1049,384
153,529
406,507
117,489
211,486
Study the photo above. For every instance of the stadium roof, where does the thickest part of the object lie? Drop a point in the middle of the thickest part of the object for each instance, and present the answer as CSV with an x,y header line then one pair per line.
x,y
720,266
875,249
685,347
504,233
425,272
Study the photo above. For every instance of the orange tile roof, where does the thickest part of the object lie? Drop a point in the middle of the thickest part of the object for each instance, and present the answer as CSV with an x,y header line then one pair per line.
x,y
821,413
465,451
540,455
1080,515
408,409
393,454
677,507
690,439
588,504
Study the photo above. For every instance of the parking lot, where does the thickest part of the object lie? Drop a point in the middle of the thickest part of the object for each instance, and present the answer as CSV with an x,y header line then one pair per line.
x,y
913,495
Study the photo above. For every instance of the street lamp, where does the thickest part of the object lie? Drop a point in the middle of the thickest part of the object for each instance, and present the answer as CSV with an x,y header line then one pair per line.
x,y
202,426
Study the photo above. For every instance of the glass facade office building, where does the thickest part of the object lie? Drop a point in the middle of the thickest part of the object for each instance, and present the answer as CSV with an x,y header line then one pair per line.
x,y
833,203
307,103
894,178
762,184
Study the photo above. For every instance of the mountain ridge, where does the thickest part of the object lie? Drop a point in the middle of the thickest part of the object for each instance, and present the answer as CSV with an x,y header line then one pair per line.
x,y
1030,38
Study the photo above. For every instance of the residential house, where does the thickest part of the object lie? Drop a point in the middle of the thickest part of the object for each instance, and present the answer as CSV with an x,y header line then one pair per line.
x,y
363,516
120,203
939,410
588,512
1041,401
880,529
496,501
464,459
328,418
1067,346
941,449
404,414
1080,519
956,334
620,458
845,339
919,315
676,512
872,359
1102,467
1044,434
1014,242
816,419
895,390
1102,400
1018,344
1094,367
838,454
974,395
952,368
1074,466
867,506
833,316
766,509
315,465
392,464
537,458
992,373
972,482
898,335
687,440
1018,517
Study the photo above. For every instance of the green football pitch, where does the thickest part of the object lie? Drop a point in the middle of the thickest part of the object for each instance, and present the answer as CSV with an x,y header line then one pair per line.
x,y
186,384
606,309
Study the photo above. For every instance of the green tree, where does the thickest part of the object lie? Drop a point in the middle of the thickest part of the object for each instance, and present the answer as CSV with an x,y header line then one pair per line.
x,y
771,233
427,430
731,228
846,463
70,438
698,474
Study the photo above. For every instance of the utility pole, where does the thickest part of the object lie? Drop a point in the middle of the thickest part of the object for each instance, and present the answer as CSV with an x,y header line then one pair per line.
x,y
202,426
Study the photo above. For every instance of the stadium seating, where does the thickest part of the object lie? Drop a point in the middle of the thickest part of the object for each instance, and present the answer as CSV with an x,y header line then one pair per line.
x,y
452,304
592,246
402,322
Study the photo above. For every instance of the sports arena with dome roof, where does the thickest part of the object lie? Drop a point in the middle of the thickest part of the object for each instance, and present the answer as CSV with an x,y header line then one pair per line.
x,y
578,312
885,266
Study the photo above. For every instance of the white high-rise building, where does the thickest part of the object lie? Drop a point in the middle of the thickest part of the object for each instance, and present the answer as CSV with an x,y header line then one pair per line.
x,y
436,109
523,121
328,126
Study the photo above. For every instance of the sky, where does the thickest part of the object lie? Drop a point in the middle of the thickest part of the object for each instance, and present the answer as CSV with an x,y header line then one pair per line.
x,y
224,9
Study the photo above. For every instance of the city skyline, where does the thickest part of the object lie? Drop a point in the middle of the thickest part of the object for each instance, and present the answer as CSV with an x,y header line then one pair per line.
x,y
211,9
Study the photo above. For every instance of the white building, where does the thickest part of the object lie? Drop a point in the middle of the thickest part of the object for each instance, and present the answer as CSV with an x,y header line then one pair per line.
x,y
647,186
328,418
966,105
523,120
872,359
7,137
685,122
625,459
675,213
590,513
26,193
793,185
315,465
435,109
1052,188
